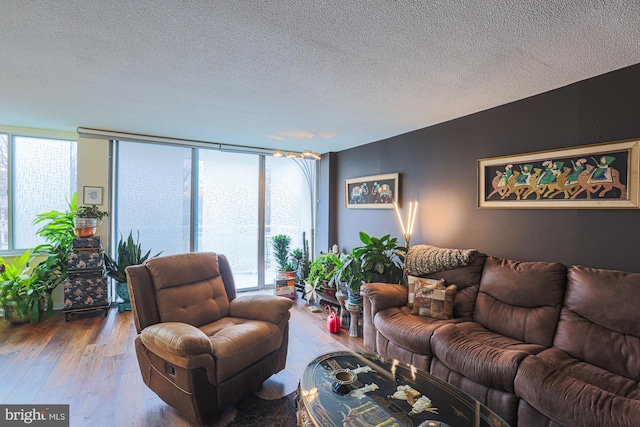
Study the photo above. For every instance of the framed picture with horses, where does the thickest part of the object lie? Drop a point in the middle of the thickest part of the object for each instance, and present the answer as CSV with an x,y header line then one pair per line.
x,y
372,192
599,176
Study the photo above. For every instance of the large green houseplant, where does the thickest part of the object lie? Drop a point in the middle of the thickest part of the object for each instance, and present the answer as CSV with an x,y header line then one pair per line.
x,y
57,229
281,244
129,252
23,296
321,274
296,260
382,258
26,292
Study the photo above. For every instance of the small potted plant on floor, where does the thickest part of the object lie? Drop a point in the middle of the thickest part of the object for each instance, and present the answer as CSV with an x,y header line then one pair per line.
x,y
129,252
87,219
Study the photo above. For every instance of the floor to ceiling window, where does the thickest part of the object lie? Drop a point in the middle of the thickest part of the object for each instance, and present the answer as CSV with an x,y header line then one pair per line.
x,y
228,211
153,196
184,199
288,207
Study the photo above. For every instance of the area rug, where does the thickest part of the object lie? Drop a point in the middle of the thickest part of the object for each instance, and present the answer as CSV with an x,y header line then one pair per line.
x,y
254,411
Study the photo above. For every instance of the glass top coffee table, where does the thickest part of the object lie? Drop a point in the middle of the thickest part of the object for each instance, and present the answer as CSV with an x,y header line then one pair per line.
x,y
358,389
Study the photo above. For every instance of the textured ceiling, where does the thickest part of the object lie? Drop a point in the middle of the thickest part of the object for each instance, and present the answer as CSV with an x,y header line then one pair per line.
x,y
294,74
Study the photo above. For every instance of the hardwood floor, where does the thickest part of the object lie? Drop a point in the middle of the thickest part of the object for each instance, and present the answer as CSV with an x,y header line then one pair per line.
x,y
90,364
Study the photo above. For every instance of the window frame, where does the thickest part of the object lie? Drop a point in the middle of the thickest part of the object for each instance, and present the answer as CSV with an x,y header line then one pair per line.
x,y
310,175
13,132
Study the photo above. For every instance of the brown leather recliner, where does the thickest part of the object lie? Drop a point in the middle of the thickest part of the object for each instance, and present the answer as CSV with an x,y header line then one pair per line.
x,y
199,347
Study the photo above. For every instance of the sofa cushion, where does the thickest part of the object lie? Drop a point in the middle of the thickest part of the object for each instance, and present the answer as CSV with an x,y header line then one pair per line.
x,y
435,301
397,325
415,284
483,356
238,343
467,279
528,294
600,320
574,393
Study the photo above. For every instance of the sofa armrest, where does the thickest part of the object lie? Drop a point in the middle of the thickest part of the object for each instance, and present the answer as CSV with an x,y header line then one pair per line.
x,y
180,339
384,295
269,308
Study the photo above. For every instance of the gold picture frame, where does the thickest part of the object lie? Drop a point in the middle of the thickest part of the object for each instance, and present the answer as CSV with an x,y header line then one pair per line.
x,y
371,192
598,176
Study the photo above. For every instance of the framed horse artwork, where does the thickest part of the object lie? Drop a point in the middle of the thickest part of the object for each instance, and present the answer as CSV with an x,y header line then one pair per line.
x,y
372,192
599,176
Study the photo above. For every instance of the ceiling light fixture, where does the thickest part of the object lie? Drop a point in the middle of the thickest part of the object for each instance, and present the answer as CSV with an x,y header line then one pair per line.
x,y
296,155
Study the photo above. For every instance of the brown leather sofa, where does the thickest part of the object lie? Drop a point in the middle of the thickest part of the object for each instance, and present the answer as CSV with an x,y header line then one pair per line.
x,y
540,344
199,347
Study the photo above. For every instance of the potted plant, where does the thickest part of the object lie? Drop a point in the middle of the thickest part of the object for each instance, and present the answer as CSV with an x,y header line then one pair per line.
x,y
304,265
58,231
382,259
298,263
281,244
351,275
129,252
87,219
22,295
299,260
321,273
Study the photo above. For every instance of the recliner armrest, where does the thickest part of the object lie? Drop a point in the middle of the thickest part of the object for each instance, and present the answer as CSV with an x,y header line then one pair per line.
x,y
269,308
180,339
384,295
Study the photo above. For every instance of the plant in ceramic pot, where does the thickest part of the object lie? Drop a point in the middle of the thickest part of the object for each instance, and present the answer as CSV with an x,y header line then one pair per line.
x,y
22,295
382,259
87,219
321,273
129,252
351,275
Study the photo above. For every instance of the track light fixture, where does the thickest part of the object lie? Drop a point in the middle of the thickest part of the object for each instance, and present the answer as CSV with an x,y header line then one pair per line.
x,y
293,155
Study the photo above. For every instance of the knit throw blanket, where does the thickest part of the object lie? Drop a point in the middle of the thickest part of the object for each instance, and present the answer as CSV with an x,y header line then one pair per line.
x,y
424,259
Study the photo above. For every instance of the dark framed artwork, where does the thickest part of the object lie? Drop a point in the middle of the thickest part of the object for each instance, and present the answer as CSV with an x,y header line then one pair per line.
x,y
372,192
604,176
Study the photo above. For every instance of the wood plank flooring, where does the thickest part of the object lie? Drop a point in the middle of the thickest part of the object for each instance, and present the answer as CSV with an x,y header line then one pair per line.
x,y
90,364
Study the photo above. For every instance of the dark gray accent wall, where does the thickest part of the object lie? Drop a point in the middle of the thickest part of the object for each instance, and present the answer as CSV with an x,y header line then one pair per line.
x,y
326,209
438,167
